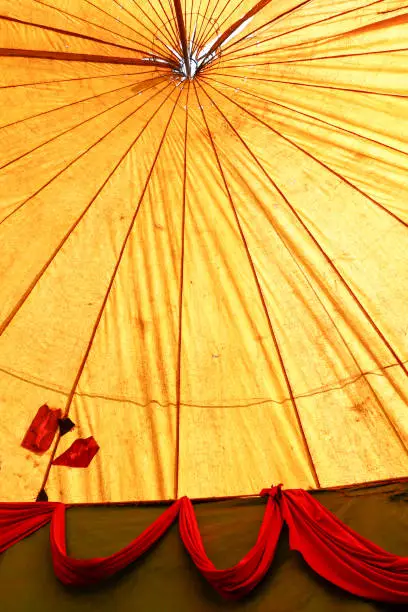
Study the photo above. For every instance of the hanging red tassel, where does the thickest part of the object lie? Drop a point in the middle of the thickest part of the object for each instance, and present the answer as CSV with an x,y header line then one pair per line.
x,y
41,432
79,454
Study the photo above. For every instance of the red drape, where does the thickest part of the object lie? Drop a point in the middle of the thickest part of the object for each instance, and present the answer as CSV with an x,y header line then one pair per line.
x,y
239,580
341,555
17,521
331,548
84,572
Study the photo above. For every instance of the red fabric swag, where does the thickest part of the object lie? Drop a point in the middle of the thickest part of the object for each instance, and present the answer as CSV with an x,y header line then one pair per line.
x,y
341,555
237,581
84,572
17,521
331,548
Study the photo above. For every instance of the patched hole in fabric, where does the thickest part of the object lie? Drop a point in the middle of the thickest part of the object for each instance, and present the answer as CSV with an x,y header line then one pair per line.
x,y
79,454
42,430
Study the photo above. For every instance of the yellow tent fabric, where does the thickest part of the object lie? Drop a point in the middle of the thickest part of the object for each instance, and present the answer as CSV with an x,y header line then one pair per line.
x,y
208,274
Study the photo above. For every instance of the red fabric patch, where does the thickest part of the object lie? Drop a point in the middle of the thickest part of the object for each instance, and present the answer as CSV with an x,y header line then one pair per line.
x,y
79,454
41,432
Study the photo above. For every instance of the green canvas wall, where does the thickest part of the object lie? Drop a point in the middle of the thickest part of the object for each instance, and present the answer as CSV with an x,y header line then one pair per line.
x,y
165,580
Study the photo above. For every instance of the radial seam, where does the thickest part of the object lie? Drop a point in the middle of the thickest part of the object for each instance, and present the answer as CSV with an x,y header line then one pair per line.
x,y
262,298
316,242
278,233
38,276
73,161
74,127
300,83
327,167
111,282
302,27
179,343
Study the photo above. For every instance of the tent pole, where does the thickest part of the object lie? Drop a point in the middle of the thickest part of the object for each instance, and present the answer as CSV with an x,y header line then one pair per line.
x,y
183,36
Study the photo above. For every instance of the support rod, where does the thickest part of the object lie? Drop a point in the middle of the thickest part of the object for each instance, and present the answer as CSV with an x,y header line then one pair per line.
x,y
183,36
221,39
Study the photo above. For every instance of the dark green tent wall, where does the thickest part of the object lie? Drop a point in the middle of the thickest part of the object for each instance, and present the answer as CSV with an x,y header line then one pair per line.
x,y
166,580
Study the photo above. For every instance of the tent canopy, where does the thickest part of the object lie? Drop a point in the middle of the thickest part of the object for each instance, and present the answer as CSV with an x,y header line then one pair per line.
x,y
204,246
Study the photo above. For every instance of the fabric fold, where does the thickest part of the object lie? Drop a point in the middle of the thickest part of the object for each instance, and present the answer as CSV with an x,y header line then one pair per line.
x,y
339,554
85,572
237,581
19,520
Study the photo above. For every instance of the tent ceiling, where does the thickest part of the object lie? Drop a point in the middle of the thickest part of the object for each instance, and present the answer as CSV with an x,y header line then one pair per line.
x,y
208,275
